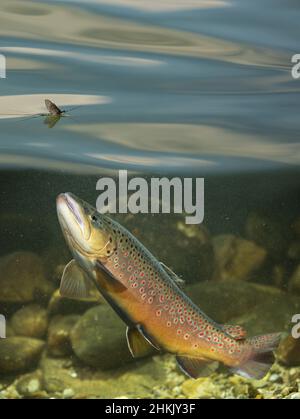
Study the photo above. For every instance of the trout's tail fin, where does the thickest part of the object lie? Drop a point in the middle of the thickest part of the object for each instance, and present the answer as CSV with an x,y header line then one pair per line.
x,y
260,356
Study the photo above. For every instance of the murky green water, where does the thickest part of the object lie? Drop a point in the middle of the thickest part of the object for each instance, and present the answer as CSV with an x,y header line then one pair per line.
x,y
178,88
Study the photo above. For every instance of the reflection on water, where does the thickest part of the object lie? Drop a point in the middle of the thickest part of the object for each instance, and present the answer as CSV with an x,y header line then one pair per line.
x,y
161,87
164,86
20,105
173,94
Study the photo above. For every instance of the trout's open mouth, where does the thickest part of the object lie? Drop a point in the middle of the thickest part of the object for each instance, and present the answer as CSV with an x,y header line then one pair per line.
x,y
76,226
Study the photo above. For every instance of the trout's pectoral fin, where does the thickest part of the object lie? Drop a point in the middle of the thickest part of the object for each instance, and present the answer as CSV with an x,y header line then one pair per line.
x,y
196,367
106,280
180,282
137,344
237,332
75,283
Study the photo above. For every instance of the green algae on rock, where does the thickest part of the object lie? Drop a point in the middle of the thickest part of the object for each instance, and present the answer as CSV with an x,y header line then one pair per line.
x,y
59,341
30,321
236,258
22,278
99,339
19,354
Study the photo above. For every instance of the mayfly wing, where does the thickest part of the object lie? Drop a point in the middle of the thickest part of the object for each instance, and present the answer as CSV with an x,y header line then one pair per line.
x,y
52,108
52,120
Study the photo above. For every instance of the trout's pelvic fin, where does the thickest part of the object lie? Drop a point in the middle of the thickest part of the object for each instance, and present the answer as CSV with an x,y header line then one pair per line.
x,y
180,282
75,284
196,367
237,332
139,347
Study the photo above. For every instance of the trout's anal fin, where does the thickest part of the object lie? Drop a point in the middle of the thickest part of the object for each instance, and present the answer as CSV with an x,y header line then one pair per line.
x,y
138,346
196,367
180,282
75,283
237,332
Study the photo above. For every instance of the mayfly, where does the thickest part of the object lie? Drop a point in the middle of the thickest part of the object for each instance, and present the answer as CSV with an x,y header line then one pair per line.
x,y
52,116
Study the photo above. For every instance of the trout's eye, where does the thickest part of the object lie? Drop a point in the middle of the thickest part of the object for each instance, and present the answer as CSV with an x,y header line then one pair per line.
x,y
94,218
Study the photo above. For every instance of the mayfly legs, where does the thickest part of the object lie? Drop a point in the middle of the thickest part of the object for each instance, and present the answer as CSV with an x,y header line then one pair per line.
x,y
52,117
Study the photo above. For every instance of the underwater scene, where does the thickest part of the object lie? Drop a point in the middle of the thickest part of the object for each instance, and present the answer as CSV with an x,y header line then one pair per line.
x,y
150,199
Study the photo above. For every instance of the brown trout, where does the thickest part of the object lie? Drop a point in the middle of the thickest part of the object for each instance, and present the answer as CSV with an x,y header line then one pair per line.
x,y
146,296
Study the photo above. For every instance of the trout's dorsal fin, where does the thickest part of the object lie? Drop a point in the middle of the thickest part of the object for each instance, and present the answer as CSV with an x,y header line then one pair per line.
x,y
237,332
196,367
180,282
75,283
137,344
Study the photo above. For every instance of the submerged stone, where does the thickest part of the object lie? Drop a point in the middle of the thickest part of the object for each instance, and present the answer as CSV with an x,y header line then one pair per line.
x,y
236,258
61,305
22,278
30,321
99,339
19,354
59,342
289,351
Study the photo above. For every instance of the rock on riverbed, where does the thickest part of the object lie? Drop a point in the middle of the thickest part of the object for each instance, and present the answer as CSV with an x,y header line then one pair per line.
x,y
30,321
22,278
99,340
19,354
